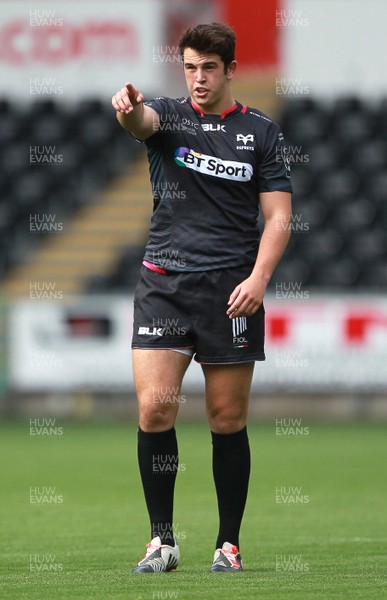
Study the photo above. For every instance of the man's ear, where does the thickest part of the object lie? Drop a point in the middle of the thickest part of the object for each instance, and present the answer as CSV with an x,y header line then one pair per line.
x,y
231,69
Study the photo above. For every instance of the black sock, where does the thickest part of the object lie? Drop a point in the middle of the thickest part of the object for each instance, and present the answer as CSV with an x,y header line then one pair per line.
x,y
158,463
231,469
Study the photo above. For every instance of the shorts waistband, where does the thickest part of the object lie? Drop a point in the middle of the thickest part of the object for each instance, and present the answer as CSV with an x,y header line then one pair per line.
x,y
153,267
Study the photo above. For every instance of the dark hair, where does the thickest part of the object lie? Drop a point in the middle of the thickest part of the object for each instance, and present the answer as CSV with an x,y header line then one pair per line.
x,y
210,38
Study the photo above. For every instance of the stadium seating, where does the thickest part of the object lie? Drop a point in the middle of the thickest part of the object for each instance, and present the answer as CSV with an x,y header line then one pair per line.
x,y
338,157
82,148
339,193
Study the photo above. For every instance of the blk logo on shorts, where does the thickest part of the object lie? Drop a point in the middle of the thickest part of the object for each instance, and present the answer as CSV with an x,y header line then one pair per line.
x,y
150,331
239,326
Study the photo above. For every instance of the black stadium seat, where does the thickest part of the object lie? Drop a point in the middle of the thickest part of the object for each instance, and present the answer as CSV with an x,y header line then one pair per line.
x,y
341,192
324,156
370,157
337,274
339,172
54,157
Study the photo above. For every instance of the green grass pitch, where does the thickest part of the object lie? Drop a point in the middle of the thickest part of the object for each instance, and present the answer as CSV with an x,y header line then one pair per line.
x,y
326,539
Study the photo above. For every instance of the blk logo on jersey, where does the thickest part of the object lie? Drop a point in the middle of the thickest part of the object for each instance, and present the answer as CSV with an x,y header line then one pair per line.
x,y
212,127
239,326
210,165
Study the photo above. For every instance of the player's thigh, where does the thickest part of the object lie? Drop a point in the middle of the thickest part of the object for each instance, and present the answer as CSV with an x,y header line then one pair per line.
x,y
158,376
158,367
227,395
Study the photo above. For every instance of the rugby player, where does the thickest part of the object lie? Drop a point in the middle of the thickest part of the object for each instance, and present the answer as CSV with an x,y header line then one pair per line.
x,y
214,163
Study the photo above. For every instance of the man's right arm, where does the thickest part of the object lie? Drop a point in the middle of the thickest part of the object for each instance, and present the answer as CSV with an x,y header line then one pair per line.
x,y
142,121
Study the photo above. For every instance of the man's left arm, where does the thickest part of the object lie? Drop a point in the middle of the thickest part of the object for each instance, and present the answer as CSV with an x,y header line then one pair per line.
x,y
247,297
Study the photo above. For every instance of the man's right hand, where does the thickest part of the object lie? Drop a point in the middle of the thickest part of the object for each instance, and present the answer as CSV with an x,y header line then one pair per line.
x,y
144,121
126,100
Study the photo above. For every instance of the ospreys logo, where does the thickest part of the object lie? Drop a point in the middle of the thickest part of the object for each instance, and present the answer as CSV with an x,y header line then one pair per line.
x,y
245,139
210,165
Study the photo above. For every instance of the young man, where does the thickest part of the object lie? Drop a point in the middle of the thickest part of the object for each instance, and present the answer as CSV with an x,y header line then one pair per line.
x,y
213,163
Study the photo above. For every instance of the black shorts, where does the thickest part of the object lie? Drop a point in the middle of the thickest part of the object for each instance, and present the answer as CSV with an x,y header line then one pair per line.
x,y
188,310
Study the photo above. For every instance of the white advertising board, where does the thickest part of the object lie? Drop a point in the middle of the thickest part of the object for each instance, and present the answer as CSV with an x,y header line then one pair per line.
x,y
333,47
80,344
326,344
78,49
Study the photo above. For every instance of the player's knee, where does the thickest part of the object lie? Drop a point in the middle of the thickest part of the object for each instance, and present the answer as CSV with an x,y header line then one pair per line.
x,y
227,420
156,422
156,418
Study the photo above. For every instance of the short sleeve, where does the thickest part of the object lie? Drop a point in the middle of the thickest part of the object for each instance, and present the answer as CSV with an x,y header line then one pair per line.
x,y
166,110
161,105
274,168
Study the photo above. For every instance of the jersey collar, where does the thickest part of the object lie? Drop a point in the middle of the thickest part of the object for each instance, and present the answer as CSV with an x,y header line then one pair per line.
x,y
235,109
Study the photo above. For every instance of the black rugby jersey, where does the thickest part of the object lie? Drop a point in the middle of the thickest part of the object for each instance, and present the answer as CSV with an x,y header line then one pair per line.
x,y
206,173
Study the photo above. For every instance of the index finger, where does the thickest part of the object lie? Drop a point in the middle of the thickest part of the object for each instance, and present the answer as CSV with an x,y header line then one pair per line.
x,y
132,91
130,87
234,294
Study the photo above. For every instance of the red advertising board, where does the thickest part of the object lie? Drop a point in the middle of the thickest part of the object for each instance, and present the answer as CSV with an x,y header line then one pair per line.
x,y
254,22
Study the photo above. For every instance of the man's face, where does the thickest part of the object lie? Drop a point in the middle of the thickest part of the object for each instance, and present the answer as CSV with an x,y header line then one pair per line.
x,y
207,82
